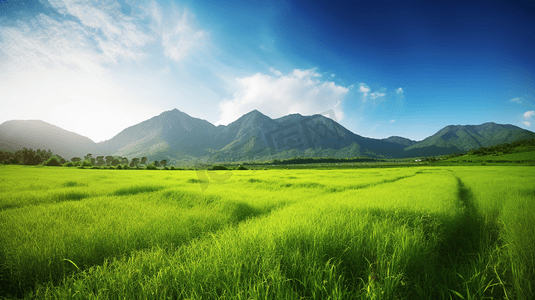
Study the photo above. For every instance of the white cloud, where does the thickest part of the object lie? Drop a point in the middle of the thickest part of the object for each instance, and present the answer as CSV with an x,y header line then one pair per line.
x,y
376,95
400,95
305,73
517,99
297,92
276,72
392,121
527,123
49,43
332,75
181,38
528,114
91,33
363,88
116,34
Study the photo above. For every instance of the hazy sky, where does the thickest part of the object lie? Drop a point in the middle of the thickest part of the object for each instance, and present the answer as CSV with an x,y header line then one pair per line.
x,y
384,68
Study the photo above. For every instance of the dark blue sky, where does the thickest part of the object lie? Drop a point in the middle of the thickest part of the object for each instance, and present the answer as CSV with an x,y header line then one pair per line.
x,y
385,67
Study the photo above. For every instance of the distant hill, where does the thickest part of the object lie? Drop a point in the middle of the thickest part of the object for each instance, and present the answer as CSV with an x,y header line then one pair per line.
x,y
174,135
35,134
520,152
459,138
400,140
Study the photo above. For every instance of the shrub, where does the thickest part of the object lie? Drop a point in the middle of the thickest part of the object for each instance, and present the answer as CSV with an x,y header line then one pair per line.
x,y
53,161
119,167
87,163
241,167
151,167
68,164
218,168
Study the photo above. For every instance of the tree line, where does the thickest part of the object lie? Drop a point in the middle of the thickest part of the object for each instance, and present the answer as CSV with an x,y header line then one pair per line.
x,y
47,158
28,157
114,161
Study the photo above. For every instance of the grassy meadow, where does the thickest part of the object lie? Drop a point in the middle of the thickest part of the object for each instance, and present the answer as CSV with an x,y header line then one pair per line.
x,y
450,232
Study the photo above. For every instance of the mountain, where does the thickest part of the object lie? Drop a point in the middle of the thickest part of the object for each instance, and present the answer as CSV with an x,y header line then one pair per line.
x,y
176,136
400,140
461,138
170,133
35,134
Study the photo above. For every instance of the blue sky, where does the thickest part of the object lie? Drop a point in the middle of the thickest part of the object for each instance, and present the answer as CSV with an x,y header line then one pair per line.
x,y
384,68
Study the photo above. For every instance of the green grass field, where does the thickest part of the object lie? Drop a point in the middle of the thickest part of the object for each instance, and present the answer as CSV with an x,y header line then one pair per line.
x,y
382,233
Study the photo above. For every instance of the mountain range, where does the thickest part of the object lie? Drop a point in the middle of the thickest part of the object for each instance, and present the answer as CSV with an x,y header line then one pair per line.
x,y
176,136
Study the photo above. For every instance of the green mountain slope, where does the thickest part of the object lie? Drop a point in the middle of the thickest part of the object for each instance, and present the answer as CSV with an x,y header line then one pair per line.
x,y
400,140
457,139
36,134
522,151
172,133
260,137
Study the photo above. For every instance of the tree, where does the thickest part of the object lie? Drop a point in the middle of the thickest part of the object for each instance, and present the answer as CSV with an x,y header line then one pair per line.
x,y
109,160
115,162
144,160
76,159
87,163
164,162
88,156
156,163
135,160
151,167
44,155
29,157
53,161
100,161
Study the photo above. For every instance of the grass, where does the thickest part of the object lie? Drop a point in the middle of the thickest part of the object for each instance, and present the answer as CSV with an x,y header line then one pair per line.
x,y
393,233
